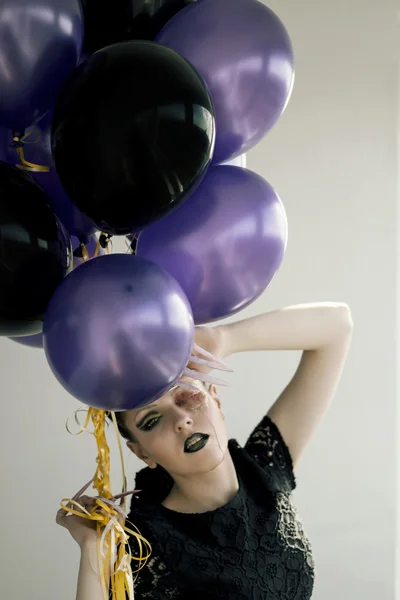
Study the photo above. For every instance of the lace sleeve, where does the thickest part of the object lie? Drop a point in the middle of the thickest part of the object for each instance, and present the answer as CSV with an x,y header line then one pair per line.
x,y
268,448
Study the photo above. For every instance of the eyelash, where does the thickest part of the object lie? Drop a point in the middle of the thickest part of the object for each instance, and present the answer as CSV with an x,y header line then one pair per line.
x,y
179,401
145,426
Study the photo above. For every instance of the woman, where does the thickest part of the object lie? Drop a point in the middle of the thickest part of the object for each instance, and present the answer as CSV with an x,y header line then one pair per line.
x,y
219,517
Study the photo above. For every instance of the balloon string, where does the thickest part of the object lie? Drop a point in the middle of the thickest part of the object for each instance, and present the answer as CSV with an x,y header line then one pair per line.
x,y
85,254
98,246
112,538
121,455
132,242
28,166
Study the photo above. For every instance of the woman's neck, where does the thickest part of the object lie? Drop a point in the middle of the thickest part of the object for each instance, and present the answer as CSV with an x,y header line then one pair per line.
x,y
205,492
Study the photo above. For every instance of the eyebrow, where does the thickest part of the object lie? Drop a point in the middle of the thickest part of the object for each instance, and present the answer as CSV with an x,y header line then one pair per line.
x,y
144,408
153,403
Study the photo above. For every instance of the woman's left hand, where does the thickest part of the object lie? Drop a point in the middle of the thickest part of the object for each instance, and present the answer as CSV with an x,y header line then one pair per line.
x,y
213,340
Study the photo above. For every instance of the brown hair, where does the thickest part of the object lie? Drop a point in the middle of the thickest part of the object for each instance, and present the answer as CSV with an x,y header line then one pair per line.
x,y
155,484
122,428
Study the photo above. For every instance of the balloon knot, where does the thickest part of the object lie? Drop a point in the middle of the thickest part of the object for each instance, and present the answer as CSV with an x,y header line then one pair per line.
x,y
105,239
16,142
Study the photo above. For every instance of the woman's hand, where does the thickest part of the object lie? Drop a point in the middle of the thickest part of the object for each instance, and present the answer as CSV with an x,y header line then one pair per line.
x,y
213,340
82,530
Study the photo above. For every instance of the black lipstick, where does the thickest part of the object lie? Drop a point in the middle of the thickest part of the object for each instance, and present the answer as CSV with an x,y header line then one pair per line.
x,y
195,442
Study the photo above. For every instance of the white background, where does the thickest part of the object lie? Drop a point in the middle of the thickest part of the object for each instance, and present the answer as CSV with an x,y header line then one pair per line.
x,y
333,160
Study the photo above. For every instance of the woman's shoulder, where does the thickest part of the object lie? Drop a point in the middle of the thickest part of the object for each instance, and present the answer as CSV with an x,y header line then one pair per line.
x,y
266,448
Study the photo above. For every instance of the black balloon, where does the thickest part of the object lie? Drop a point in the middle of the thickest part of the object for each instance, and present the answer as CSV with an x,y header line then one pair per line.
x,y
122,20
133,135
35,253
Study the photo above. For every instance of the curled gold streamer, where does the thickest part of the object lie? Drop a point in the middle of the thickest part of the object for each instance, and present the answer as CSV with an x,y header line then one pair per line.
x,y
98,246
85,254
110,519
28,166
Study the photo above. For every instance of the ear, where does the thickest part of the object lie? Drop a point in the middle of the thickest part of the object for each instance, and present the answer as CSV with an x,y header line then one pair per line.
x,y
138,451
212,390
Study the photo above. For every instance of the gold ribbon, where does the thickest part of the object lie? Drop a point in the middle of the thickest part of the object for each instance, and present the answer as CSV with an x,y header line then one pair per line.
x,y
28,166
85,254
112,532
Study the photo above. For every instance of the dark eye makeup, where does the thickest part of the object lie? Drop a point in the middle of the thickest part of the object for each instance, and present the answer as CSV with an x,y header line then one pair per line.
x,y
152,418
149,421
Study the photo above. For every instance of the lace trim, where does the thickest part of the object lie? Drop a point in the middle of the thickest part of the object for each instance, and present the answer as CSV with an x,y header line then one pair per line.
x,y
267,446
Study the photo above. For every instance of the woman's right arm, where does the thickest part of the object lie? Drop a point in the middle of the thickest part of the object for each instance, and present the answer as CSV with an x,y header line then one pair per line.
x,y
89,582
84,533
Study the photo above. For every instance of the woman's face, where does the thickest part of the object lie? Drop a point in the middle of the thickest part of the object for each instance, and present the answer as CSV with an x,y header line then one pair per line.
x,y
162,428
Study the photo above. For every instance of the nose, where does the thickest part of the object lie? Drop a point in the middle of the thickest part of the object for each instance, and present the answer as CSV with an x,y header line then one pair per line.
x,y
183,420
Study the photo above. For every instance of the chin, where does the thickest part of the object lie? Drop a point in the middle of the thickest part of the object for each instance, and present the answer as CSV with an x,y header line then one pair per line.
x,y
218,452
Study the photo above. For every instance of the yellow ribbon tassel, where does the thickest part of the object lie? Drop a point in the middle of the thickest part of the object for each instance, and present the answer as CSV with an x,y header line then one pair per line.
x,y
85,254
113,549
28,166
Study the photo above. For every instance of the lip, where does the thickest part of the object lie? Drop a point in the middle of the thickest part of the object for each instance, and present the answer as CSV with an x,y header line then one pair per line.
x,y
203,441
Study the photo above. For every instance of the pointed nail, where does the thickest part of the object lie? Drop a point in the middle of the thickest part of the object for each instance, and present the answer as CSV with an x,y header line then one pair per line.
x,y
213,365
204,377
208,355
82,490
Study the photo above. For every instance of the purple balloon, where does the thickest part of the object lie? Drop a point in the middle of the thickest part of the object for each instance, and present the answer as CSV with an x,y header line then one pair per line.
x,y
37,150
224,245
244,54
91,247
40,44
33,341
118,332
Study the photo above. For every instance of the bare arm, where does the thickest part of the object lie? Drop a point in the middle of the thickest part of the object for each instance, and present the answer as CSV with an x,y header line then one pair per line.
x,y
89,582
323,331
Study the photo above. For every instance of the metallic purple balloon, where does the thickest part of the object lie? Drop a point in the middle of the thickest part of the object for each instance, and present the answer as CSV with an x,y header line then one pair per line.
x,y
118,332
40,44
37,150
244,54
224,245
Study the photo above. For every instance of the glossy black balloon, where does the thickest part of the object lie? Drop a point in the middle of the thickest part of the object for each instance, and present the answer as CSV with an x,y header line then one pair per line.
x,y
35,253
108,23
133,135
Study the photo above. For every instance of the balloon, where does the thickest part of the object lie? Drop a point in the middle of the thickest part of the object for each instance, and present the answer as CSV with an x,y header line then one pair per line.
x,y
35,253
244,53
224,245
118,332
84,56
32,341
36,341
37,150
40,43
239,161
91,249
133,135
107,24
150,16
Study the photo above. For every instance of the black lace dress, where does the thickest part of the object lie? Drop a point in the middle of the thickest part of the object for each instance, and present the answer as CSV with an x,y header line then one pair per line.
x,y
253,548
